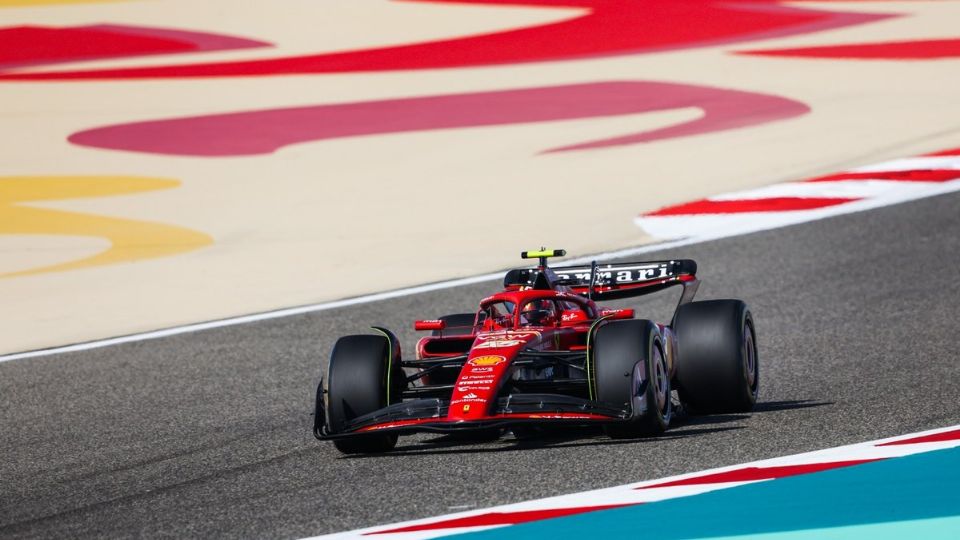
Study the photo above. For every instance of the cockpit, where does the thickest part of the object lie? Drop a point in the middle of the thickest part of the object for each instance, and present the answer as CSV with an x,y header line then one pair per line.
x,y
498,315
503,314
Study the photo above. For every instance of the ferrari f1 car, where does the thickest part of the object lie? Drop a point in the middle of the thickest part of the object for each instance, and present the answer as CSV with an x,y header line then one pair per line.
x,y
542,352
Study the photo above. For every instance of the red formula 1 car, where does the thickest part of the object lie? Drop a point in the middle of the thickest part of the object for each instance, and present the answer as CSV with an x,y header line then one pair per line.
x,y
542,352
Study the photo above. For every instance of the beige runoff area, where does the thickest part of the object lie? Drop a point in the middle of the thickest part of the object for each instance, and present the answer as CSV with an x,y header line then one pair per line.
x,y
336,219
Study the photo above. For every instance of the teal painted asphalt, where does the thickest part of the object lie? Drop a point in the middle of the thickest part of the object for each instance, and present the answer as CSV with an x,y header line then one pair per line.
x,y
920,529
915,496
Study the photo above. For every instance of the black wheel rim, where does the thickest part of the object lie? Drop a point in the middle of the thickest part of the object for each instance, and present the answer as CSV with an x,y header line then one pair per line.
x,y
749,359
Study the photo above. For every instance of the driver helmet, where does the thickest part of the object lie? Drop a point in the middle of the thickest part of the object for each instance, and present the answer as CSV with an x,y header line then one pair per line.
x,y
536,312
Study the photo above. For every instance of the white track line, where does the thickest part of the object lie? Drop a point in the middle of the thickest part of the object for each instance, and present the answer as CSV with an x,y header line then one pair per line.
x,y
691,229
324,306
846,189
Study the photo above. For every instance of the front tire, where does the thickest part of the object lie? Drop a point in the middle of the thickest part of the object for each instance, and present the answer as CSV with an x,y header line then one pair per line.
x,y
361,378
718,368
631,372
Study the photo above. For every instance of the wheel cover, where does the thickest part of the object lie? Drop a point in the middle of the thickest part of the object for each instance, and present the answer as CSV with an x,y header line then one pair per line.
x,y
749,358
660,382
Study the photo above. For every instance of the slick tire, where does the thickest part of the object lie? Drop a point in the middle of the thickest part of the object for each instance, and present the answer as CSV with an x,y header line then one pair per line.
x,y
360,381
631,373
718,368
458,324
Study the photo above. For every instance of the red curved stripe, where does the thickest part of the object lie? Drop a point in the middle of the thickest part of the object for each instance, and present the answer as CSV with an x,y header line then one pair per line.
x,y
608,27
751,474
894,50
24,46
950,152
499,518
739,206
261,132
952,435
916,175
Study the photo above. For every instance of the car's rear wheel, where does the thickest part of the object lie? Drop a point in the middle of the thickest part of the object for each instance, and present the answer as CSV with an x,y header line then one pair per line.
x,y
361,379
718,369
631,373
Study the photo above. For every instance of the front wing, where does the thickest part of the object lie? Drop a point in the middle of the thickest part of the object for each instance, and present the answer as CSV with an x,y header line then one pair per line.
x,y
517,409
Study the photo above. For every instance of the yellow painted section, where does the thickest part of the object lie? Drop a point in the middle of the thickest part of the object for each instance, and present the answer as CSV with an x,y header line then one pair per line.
x,y
130,240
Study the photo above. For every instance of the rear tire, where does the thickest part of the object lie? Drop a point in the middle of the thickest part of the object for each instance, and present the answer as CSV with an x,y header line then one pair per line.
x,y
360,381
718,369
458,324
631,372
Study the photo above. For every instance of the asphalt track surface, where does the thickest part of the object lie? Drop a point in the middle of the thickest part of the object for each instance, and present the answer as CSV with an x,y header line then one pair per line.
x,y
208,434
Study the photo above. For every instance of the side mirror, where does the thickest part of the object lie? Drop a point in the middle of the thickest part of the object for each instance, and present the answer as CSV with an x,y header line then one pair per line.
x,y
435,324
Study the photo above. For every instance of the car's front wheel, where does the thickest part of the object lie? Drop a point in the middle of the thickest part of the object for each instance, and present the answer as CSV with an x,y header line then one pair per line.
x,y
631,372
360,380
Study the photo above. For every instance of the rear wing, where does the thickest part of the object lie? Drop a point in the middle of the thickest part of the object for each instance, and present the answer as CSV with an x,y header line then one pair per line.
x,y
624,280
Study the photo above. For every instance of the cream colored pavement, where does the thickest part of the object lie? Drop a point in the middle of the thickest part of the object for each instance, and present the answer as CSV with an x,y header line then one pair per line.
x,y
340,218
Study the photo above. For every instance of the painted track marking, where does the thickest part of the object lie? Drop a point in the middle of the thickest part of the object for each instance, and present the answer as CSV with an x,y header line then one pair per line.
x,y
788,203
663,489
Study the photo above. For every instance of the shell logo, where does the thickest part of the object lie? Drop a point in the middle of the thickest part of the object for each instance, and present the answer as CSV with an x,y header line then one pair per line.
x,y
488,360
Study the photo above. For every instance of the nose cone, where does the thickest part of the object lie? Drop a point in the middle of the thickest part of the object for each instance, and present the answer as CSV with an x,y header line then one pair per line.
x,y
483,373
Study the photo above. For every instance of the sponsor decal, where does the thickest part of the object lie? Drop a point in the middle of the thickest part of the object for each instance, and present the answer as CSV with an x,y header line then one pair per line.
x,y
466,408
470,397
612,274
481,370
472,400
488,360
466,386
509,334
579,276
575,314
496,344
